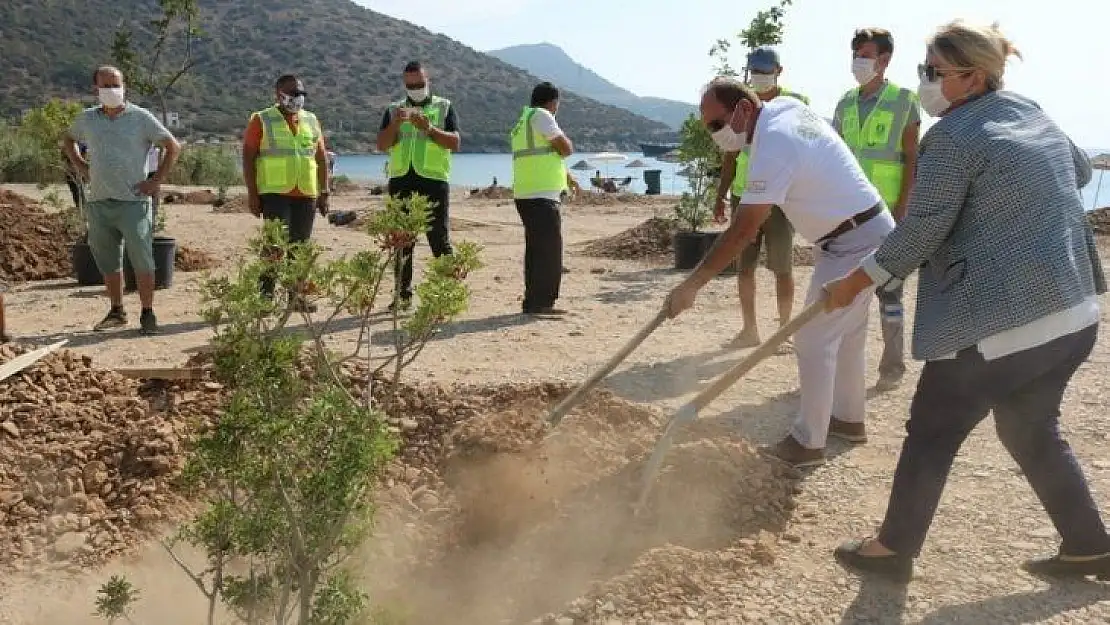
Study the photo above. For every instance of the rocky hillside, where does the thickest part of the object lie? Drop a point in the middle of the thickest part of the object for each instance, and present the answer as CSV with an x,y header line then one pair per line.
x,y
349,56
550,62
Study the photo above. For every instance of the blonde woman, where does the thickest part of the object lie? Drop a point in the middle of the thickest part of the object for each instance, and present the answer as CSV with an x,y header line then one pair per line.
x,y
1007,303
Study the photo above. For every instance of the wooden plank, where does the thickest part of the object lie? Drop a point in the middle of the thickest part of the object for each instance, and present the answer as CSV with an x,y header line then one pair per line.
x,y
15,365
163,373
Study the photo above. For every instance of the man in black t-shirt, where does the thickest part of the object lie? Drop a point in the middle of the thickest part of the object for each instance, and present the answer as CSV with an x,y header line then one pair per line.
x,y
420,132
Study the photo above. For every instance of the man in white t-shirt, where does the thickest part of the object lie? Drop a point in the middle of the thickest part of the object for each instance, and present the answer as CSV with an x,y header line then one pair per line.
x,y
799,163
539,180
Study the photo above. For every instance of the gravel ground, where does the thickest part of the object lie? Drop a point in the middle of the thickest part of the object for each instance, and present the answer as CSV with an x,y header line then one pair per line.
x,y
988,521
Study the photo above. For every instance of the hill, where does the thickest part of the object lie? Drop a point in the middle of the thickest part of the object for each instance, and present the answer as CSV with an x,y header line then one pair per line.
x,y
550,62
350,58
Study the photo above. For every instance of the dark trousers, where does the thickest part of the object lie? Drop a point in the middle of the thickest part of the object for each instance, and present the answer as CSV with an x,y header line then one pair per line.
x,y
543,252
1024,390
438,233
298,215
77,191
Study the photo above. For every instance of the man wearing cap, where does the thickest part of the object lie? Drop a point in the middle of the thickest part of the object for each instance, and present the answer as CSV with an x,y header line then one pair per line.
x,y
776,233
881,122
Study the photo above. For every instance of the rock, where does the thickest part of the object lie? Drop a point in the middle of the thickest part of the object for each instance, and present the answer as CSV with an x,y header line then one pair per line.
x,y
69,544
1044,532
10,428
409,424
147,513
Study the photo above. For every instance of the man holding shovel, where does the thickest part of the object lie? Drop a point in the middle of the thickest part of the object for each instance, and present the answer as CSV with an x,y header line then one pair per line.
x,y
799,163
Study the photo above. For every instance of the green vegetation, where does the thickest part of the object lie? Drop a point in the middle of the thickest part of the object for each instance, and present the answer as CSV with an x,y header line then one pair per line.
x,y
350,58
699,155
288,472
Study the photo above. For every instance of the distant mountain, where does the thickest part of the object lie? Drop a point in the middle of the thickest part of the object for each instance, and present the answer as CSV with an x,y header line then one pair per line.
x,y
549,62
350,57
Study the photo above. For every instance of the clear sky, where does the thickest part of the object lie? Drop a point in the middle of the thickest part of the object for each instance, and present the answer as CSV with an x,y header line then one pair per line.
x,y
660,47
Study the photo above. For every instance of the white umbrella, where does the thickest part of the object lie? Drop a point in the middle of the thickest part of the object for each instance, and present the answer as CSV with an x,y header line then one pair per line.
x,y
608,157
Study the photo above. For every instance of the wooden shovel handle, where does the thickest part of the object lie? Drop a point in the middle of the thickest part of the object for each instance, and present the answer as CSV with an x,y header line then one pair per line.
x,y
572,400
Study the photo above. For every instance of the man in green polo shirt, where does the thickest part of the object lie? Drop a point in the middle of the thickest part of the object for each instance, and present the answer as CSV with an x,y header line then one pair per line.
x,y
119,135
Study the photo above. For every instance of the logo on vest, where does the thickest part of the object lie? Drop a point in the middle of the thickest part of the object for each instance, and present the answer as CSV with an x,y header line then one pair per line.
x,y
757,186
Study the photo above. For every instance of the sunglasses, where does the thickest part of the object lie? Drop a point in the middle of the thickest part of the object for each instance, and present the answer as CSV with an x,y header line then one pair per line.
x,y
714,126
295,93
416,86
931,73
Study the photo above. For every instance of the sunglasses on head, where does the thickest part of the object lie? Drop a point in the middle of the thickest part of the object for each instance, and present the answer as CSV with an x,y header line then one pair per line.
x,y
931,73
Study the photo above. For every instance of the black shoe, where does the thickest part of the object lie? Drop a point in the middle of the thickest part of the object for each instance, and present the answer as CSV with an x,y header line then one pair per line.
x,y
148,323
116,318
896,568
5,338
1065,567
545,311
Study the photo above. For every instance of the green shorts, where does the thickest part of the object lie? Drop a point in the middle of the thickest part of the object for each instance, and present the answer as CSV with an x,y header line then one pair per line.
x,y
115,224
777,234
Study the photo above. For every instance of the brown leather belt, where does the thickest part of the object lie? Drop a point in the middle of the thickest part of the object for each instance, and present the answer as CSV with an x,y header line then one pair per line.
x,y
852,223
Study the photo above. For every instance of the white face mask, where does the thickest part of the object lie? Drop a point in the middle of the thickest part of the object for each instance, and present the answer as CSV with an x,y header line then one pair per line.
x,y
292,104
418,95
110,97
932,98
864,70
729,140
762,83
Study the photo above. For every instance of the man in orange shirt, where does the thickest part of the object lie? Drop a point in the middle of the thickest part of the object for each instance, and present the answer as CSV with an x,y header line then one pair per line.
x,y
286,170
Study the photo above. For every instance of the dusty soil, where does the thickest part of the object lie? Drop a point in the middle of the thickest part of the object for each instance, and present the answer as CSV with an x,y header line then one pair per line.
x,y
34,244
189,259
776,567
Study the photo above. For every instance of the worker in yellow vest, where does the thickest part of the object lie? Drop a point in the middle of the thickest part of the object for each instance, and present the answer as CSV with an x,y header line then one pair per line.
x,y
776,233
540,177
880,122
285,167
420,131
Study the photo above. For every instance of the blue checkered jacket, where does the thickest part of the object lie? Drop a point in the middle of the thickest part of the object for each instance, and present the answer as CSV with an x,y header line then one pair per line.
x,y
995,223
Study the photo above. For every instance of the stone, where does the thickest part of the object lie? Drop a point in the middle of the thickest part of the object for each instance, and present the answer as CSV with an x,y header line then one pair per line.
x,y
69,544
10,428
1044,532
409,424
146,513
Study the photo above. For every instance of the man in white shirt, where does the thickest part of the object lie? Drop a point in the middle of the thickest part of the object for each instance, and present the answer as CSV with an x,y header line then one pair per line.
x,y
539,179
799,163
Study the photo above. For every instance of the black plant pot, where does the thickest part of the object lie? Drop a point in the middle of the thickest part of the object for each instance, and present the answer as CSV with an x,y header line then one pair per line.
x,y
709,239
689,249
165,248
84,265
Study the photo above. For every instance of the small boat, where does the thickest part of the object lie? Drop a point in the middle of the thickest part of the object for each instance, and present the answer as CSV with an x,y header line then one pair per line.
x,y
657,149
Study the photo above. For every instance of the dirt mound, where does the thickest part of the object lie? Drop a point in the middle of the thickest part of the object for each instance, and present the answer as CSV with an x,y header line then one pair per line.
x,y
189,259
1100,220
34,244
590,198
86,460
492,192
517,526
237,204
654,237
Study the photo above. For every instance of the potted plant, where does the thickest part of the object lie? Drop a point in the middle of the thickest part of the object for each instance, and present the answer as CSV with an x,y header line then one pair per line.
x,y
700,159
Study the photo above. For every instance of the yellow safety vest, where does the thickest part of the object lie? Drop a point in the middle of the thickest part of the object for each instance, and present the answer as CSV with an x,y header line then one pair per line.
x,y
415,150
741,177
287,161
877,142
537,167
